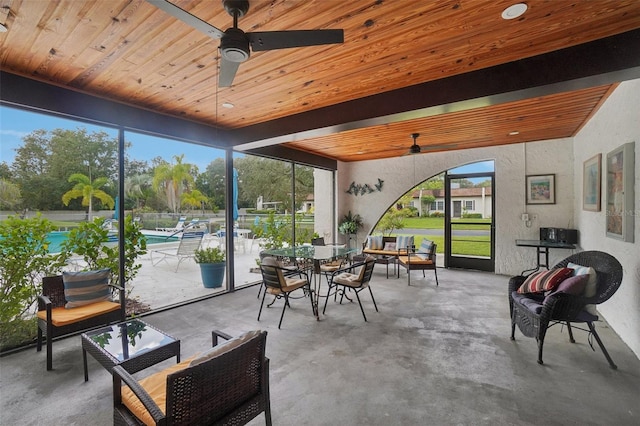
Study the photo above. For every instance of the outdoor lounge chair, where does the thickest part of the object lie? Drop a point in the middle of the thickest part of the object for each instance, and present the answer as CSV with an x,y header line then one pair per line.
x,y
534,312
55,319
227,385
422,260
186,249
176,228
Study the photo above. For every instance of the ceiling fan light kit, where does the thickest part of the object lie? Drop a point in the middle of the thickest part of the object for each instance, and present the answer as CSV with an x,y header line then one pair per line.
x,y
235,44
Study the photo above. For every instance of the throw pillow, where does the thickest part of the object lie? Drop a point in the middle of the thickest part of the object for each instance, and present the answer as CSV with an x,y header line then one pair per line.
x,y
573,285
374,242
389,247
425,249
544,280
592,284
404,241
86,287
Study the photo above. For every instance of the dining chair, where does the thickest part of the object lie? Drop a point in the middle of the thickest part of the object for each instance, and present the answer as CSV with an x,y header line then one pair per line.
x,y
277,283
348,279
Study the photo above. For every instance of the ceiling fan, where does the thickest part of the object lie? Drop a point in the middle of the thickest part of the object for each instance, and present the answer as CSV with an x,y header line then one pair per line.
x,y
415,148
234,43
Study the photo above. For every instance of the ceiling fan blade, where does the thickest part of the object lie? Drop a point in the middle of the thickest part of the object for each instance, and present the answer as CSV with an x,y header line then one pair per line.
x,y
227,73
187,18
272,40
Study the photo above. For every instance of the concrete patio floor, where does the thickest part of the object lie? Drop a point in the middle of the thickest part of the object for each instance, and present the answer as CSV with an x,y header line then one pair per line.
x,y
431,356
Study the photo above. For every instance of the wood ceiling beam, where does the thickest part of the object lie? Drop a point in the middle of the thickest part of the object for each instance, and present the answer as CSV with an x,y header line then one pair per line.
x,y
605,61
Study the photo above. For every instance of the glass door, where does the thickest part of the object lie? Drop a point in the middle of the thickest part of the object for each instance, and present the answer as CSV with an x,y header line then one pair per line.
x,y
469,221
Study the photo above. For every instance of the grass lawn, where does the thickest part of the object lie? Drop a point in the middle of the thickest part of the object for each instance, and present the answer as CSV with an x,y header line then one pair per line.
x,y
438,223
468,245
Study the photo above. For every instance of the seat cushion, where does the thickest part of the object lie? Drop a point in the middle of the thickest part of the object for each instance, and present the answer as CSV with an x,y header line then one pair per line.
x,y
86,287
156,386
544,280
573,285
348,279
62,316
529,301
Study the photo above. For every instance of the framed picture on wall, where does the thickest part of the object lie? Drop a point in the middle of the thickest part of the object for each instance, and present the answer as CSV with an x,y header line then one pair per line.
x,y
541,189
591,177
620,206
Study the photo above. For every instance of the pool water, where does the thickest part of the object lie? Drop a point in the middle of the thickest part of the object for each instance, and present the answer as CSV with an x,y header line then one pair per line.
x,y
56,239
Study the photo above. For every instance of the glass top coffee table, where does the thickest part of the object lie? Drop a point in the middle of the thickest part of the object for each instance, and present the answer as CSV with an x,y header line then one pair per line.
x,y
134,345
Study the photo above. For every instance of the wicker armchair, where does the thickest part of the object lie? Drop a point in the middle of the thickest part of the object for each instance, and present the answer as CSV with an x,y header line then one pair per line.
x,y
54,320
229,385
565,308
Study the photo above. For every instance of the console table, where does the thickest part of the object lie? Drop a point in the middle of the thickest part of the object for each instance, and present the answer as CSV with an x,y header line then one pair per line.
x,y
542,247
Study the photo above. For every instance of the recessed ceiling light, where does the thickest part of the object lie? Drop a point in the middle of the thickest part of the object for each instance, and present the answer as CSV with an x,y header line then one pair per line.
x,y
514,11
514,133
227,104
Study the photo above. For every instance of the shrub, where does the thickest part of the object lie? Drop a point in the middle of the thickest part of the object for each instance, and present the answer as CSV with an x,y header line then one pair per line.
x,y
472,215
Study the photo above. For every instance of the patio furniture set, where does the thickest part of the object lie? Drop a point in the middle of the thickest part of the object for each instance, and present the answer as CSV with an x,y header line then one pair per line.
x,y
80,301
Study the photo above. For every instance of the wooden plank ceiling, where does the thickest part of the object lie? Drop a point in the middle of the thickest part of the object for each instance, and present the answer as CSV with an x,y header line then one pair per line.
x,y
130,51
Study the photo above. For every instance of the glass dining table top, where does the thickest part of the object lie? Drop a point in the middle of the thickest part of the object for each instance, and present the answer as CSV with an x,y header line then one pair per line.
x,y
312,252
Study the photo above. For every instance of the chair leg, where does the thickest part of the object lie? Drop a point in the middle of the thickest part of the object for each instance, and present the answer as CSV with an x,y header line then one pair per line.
x,y
571,339
435,271
374,300
262,303
260,289
313,307
327,298
540,344
360,303
284,308
592,328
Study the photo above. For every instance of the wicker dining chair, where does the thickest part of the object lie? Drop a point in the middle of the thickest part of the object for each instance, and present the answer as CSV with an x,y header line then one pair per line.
x,y
535,314
228,385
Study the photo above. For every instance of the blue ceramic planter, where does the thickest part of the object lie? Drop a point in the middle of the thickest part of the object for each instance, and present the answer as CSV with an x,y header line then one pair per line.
x,y
212,274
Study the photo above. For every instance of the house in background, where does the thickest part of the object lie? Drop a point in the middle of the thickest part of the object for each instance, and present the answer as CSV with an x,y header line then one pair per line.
x,y
463,201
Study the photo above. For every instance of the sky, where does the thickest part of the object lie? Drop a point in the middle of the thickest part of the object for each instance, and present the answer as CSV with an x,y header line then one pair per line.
x,y
15,124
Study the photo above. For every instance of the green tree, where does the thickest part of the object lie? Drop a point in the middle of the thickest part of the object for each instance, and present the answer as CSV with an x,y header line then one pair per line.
x,y
88,190
46,159
10,198
426,201
174,179
194,199
264,177
211,183
135,188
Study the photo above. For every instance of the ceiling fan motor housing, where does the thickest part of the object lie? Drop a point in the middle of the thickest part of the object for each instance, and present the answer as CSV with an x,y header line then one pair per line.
x,y
241,7
235,45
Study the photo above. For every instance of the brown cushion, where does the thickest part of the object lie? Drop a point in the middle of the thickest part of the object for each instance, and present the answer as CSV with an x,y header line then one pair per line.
x,y
414,260
156,386
62,316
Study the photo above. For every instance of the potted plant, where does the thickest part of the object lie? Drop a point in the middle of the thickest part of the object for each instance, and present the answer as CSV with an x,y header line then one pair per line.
x,y
349,225
212,266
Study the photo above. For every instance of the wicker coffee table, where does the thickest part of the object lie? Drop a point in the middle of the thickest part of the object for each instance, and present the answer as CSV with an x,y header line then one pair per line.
x,y
134,345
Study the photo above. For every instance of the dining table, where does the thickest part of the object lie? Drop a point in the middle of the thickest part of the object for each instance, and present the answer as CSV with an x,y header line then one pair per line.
x,y
315,255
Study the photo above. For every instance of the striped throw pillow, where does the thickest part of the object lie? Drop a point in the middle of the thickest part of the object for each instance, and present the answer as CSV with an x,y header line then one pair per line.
x,y
374,242
539,282
86,287
404,241
425,249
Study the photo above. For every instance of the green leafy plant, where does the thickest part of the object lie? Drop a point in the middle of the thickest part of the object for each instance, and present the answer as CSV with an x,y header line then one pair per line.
x,y
210,255
24,259
350,223
90,239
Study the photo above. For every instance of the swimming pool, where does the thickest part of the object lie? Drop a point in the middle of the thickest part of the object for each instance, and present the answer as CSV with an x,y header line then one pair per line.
x,y
56,239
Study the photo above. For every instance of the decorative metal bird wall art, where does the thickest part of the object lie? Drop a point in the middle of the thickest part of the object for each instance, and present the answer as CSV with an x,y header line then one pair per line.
x,y
358,189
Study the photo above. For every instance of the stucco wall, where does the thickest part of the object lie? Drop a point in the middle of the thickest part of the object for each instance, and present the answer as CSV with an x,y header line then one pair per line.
x,y
616,123
512,163
613,125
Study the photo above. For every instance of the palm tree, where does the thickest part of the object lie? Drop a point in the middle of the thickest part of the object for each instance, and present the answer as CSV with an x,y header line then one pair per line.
x,y
173,180
194,199
88,190
134,187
